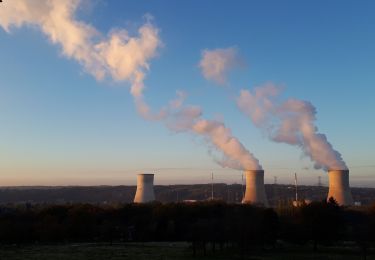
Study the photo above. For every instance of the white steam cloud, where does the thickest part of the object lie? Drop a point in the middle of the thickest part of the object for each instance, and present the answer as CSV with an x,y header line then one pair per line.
x,y
118,55
236,156
292,122
180,118
216,64
123,57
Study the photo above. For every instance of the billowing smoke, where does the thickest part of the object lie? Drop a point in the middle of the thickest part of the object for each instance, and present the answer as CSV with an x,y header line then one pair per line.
x,y
291,121
123,57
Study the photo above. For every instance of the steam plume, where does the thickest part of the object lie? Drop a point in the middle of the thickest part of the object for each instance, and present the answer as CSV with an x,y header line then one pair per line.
x,y
292,122
187,118
123,57
236,156
118,55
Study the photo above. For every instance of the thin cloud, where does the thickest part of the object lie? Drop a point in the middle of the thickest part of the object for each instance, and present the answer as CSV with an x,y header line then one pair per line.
x,y
216,64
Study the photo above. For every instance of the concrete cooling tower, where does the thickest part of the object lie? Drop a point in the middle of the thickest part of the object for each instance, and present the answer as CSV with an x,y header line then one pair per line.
x,y
145,188
255,192
339,187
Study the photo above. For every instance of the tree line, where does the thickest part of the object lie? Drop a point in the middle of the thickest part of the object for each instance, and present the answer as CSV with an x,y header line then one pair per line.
x,y
215,225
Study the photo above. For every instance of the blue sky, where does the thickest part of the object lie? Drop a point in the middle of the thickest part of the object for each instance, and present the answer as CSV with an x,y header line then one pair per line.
x,y
61,126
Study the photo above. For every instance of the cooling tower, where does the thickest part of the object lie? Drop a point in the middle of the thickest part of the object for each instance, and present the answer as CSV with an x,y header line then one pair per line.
x,y
339,187
255,192
145,188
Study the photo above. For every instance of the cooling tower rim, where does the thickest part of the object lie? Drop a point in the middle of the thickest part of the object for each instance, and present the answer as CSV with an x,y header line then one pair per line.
x,y
338,170
254,170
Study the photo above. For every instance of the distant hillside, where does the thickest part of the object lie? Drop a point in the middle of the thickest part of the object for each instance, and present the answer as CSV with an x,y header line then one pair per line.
x,y
277,194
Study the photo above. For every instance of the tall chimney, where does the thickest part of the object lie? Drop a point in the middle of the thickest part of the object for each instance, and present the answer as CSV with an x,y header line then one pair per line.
x,y
145,188
339,187
255,192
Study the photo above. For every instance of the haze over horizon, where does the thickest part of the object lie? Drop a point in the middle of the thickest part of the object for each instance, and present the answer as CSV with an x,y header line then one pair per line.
x,y
94,92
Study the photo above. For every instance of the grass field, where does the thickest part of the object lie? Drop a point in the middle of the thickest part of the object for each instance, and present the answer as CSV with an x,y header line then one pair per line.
x,y
162,251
